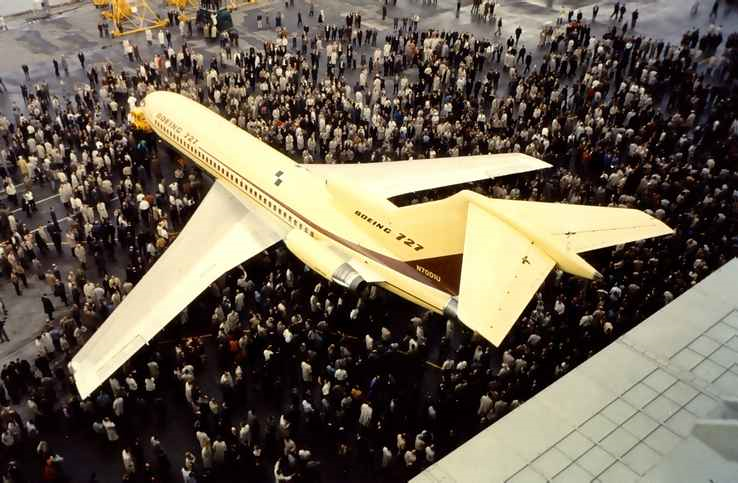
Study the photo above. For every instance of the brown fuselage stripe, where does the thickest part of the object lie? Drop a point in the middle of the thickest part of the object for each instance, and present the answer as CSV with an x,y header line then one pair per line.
x,y
392,263
446,267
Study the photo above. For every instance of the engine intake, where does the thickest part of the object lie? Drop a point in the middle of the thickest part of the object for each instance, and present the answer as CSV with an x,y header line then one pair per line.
x,y
347,277
451,310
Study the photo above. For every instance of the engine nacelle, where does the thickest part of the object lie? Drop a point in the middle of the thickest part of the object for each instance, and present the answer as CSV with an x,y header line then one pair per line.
x,y
321,258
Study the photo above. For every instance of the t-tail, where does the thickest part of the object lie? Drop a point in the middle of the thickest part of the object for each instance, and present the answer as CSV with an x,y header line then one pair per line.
x,y
492,255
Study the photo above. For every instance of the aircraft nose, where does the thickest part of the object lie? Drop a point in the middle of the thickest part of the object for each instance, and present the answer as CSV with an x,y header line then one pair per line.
x,y
150,105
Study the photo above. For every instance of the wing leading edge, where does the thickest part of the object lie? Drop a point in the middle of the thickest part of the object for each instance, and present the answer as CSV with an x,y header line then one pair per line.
x,y
223,232
399,177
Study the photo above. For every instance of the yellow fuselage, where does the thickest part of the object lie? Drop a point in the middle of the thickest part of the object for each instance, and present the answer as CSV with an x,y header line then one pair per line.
x,y
287,190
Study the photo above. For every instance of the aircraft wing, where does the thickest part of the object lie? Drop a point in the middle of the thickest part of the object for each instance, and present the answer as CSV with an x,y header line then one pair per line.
x,y
399,177
224,231
501,271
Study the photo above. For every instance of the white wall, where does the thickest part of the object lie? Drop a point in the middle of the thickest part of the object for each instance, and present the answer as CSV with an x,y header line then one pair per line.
x,y
10,7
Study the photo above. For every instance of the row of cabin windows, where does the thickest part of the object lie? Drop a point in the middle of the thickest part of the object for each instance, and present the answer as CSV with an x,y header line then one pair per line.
x,y
253,192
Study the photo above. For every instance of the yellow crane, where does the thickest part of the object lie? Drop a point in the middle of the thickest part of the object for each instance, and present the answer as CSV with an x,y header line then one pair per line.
x,y
133,16
187,8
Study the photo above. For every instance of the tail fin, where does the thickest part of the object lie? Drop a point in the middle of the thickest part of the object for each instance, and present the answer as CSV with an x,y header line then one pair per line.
x,y
494,254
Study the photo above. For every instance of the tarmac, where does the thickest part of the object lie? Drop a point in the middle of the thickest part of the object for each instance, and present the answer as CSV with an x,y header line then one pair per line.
x,y
73,28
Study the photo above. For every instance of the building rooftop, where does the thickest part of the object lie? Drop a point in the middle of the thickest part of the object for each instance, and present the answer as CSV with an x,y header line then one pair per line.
x,y
660,404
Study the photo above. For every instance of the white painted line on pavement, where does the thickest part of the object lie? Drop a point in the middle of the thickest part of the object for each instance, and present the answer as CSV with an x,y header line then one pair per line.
x,y
38,202
60,220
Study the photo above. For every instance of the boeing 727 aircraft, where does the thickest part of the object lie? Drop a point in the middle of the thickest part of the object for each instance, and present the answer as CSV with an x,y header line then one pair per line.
x,y
473,258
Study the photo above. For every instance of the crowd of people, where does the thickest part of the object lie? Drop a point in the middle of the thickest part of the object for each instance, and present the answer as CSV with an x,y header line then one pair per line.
x,y
307,379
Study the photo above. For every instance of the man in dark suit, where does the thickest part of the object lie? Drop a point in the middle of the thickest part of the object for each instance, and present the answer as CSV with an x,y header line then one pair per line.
x,y
3,335
55,234
48,306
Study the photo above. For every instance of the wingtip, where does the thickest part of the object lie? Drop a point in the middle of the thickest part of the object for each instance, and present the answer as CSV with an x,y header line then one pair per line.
x,y
542,164
83,388
665,230
83,385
